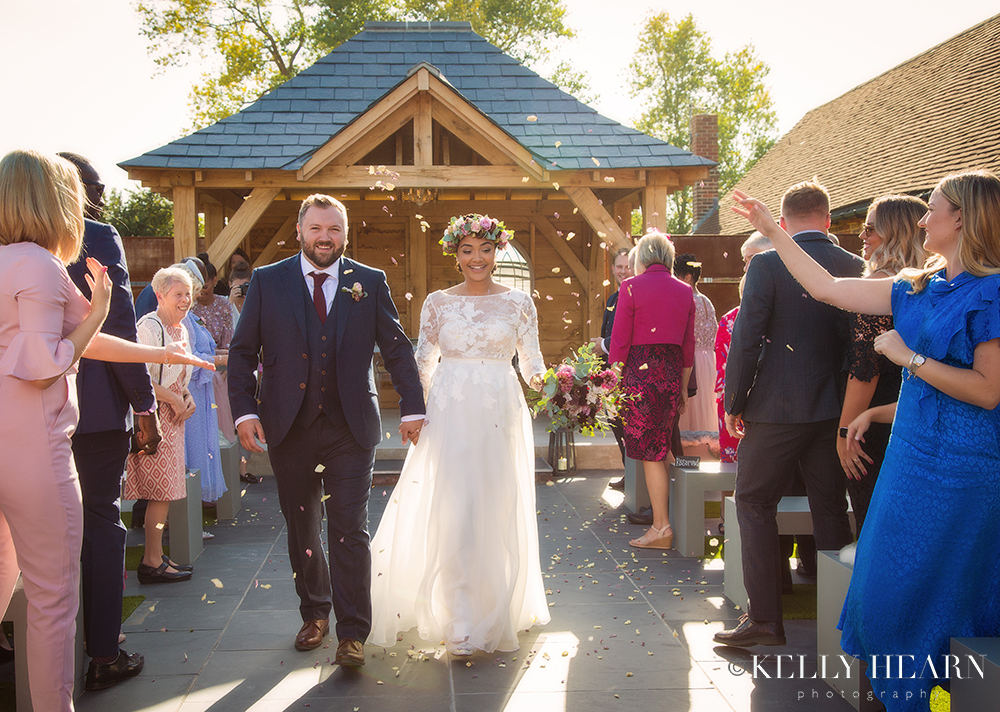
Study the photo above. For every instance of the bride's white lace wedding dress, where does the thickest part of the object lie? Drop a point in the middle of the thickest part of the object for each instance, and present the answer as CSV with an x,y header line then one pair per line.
x,y
456,551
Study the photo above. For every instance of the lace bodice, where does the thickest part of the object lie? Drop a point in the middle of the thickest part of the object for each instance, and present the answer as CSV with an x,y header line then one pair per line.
x,y
489,327
704,322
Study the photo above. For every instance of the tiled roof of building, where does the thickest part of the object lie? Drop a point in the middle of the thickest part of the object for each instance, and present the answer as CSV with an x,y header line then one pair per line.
x,y
286,126
899,132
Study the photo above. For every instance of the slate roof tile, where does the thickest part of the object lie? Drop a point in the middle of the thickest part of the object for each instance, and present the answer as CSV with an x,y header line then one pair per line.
x,y
311,108
901,131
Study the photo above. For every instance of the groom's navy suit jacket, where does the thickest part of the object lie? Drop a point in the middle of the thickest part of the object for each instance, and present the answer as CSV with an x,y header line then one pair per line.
x,y
274,320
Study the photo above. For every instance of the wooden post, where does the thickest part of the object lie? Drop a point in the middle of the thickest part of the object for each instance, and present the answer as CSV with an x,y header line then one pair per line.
x,y
185,222
654,207
215,221
423,142
417,251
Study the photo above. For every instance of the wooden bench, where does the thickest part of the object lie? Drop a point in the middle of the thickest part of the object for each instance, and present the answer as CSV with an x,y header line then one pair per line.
x,y
185,522
972,692
17,613
231,502
833,577
688,486
793,517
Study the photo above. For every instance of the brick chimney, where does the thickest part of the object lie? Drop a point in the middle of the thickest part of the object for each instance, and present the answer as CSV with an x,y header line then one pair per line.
x,y
705,143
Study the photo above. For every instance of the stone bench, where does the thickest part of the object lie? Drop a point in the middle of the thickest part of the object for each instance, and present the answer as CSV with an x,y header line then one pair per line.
x,y
688,486
636,494
833,577
972,692
231,502
185,522
17,613
793,517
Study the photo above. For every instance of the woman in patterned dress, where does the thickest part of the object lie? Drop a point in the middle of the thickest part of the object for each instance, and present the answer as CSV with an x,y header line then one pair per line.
x,y
653,337
697,422
892,241
159,478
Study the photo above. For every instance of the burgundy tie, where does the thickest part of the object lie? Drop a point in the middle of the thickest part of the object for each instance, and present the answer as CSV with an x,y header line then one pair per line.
x,y
319,299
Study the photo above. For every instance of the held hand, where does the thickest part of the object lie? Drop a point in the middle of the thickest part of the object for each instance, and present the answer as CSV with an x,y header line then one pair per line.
x,y
856,435
100,286
410,430
189,406
891,345
250,431
756,212
148,433
734,424
175,352
536,382
851,462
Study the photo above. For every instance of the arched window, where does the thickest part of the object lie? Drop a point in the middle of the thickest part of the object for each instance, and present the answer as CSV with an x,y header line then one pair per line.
x,y
513,269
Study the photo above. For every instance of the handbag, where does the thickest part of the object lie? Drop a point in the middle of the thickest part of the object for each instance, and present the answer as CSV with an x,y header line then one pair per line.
x,y
134,445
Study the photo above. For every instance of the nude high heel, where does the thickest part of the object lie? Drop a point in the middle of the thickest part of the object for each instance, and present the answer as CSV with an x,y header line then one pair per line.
x,y
655,539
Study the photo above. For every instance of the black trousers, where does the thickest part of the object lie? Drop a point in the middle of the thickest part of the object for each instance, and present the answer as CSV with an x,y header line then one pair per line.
x,y
766,463
344,580
100,462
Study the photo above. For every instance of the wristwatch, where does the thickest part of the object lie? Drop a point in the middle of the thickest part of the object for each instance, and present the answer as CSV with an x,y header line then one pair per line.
x,y
842,432
916,361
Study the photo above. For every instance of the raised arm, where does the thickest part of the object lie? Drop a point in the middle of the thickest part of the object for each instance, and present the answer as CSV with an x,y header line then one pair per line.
x,y
866,296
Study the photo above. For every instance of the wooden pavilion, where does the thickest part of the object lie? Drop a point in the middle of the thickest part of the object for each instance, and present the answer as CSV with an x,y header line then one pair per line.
x,y
409,124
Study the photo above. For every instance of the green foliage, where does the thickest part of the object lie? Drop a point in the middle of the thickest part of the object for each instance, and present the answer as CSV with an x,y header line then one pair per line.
x,y
252,46
139,213
573,82
676,74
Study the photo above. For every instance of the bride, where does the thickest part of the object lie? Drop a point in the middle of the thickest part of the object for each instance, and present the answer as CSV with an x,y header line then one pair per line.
x,y
456,552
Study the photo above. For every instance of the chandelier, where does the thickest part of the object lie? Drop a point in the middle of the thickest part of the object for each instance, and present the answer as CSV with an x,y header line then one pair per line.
x,y
419,196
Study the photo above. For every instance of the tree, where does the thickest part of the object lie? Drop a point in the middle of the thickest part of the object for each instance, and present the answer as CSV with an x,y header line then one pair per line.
x,y
252,46
139,213
676,74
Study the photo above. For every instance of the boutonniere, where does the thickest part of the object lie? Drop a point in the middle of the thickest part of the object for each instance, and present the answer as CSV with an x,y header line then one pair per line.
x,y
357,292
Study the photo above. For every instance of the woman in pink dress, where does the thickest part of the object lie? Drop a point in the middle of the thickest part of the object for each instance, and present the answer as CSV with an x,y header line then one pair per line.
x,y
46,325
159,478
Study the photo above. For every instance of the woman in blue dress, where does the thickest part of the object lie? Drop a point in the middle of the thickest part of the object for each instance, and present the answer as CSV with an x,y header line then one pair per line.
x,y
201,434
928,562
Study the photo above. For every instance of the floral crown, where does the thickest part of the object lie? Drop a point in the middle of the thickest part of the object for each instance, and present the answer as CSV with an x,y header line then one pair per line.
x,y
474,224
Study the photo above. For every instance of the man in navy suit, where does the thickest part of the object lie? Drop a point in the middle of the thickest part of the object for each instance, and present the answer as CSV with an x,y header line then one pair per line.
x,y
782,401
316,318
106,391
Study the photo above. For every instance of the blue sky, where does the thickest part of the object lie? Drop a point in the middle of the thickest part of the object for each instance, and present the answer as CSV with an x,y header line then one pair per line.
x,y
77,76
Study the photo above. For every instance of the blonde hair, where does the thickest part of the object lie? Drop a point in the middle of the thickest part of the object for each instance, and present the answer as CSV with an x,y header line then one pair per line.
x,y
41,201
895,221
654,248
977,194
319,200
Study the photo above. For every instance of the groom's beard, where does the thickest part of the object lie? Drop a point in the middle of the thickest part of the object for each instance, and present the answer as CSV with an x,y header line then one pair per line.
x,y
325,260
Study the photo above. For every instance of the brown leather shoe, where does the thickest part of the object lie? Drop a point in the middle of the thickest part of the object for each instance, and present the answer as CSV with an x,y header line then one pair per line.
x,y
749,633
311,634
350,653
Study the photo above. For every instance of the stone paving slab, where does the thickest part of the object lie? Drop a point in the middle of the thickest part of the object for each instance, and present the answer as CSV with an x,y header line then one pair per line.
x,y
631,629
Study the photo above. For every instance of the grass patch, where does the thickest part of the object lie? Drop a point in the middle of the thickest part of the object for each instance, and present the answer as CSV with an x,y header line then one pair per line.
x,y
713,510
801,603
129,604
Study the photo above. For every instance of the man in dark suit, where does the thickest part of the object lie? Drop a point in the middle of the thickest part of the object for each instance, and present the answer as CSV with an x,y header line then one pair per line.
x,y
782,399
318,317
621,270
106,391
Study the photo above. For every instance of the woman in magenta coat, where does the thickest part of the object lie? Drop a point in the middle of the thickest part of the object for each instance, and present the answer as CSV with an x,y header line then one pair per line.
x,y
653,337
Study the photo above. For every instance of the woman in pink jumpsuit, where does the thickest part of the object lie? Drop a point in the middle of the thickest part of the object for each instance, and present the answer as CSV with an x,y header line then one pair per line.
x,y
45,326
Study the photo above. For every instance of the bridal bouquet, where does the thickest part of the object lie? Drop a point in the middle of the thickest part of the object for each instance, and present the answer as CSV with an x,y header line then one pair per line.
x,y
580,394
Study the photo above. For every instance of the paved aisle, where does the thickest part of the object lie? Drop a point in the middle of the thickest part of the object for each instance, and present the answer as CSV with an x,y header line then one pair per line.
x,y
630,631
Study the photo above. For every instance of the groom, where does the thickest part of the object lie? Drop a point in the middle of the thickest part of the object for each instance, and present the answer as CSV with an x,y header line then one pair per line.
x,y
316,319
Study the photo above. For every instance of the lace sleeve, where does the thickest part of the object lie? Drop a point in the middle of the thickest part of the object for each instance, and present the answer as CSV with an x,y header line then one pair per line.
x,y
862,361
529,355
428,351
